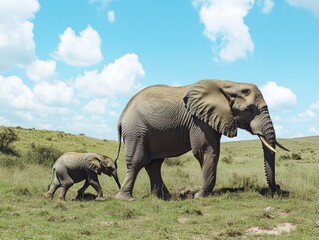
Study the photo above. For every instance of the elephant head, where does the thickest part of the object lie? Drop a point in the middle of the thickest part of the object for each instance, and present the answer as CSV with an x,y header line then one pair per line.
x,y
226,106
104,164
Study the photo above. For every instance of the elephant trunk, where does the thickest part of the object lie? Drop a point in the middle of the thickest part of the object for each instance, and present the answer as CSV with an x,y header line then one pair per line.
x,y
266,132
114,174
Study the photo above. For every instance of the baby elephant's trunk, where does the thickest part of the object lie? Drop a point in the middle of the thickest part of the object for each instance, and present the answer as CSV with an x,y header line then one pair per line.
x,y
114,174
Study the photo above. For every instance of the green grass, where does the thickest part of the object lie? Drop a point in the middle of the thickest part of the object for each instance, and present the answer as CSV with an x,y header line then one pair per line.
x,y
238,202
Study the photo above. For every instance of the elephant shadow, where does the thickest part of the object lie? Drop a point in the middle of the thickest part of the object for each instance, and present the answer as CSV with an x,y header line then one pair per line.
x,y
86,197
189,193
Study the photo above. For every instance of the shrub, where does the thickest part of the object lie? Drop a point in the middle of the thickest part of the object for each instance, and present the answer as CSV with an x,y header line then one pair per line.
x,y
296,156
247,183
174,162
227,159
6,139
285,157
11,162
43,155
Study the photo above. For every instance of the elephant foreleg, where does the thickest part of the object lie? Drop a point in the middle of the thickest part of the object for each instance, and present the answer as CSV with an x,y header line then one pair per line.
x,y
208,160
96,185
158,187
82,190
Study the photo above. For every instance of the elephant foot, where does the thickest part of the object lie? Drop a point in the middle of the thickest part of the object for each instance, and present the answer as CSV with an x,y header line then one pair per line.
x,y
62,199
124,196
48,196
201,194
161,194
100,199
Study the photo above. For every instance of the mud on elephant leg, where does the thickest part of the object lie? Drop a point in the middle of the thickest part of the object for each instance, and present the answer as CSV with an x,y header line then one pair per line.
x,y
208,161
158,187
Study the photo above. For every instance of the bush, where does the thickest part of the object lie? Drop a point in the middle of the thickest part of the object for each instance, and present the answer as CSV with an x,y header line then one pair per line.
x,y
6,139
247,183
285,157
227,159
12,162
43,155
296,156
174,162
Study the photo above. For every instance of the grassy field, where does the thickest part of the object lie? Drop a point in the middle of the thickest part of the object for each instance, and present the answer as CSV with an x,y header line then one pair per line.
x,y
239,208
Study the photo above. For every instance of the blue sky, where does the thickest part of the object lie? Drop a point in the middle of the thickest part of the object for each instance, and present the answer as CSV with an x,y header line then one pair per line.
x,y
73,65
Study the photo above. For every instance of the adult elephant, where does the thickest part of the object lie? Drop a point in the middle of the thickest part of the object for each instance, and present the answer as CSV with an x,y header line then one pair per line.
x,y
162,121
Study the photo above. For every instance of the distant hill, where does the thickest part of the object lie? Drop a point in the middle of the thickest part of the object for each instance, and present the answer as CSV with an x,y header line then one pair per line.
x,y
65,142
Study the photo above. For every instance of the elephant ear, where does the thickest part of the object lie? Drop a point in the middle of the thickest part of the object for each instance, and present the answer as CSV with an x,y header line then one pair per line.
x,y
209,102
94,165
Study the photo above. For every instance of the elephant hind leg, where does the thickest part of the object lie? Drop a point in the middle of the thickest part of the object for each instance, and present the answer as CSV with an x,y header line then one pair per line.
x,y
53,187
127,187
135,161
66,183
158,187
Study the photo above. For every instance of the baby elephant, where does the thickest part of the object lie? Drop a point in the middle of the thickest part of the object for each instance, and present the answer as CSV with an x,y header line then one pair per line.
x,y
74,167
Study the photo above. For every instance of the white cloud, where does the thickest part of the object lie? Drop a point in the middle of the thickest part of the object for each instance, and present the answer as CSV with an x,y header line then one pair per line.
x,y
308,115
278,97
27,116
94,126
16,33
120,77
225,27
96,106
56,94
315,105
111,16
82,50
310,5
15,94
280,130
41,70
267,6
314,130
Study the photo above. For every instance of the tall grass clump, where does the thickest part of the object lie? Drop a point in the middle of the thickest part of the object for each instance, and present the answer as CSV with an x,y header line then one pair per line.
x,y
174,162
7,138
247,183
43,155
10,161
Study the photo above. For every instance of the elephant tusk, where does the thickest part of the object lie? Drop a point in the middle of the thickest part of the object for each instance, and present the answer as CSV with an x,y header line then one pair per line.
x,y
282,147
267,144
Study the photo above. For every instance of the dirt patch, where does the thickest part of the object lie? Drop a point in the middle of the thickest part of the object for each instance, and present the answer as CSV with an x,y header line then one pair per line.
x,y
276,230
187,193
182,220
106,223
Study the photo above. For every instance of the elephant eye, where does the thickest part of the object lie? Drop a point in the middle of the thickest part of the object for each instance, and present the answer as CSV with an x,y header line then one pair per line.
x,y
245,91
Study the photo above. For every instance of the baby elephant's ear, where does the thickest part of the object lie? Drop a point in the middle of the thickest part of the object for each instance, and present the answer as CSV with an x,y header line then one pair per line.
x,y
95,166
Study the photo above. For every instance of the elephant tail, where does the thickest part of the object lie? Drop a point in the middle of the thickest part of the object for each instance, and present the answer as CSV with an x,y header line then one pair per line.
x,y
52,177
119,132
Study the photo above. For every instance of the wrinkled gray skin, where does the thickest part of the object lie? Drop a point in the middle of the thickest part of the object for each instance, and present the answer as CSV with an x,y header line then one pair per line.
x,y
74,167
161,122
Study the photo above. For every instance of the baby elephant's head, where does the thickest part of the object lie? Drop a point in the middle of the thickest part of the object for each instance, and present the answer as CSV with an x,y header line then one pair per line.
x,y
108,168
